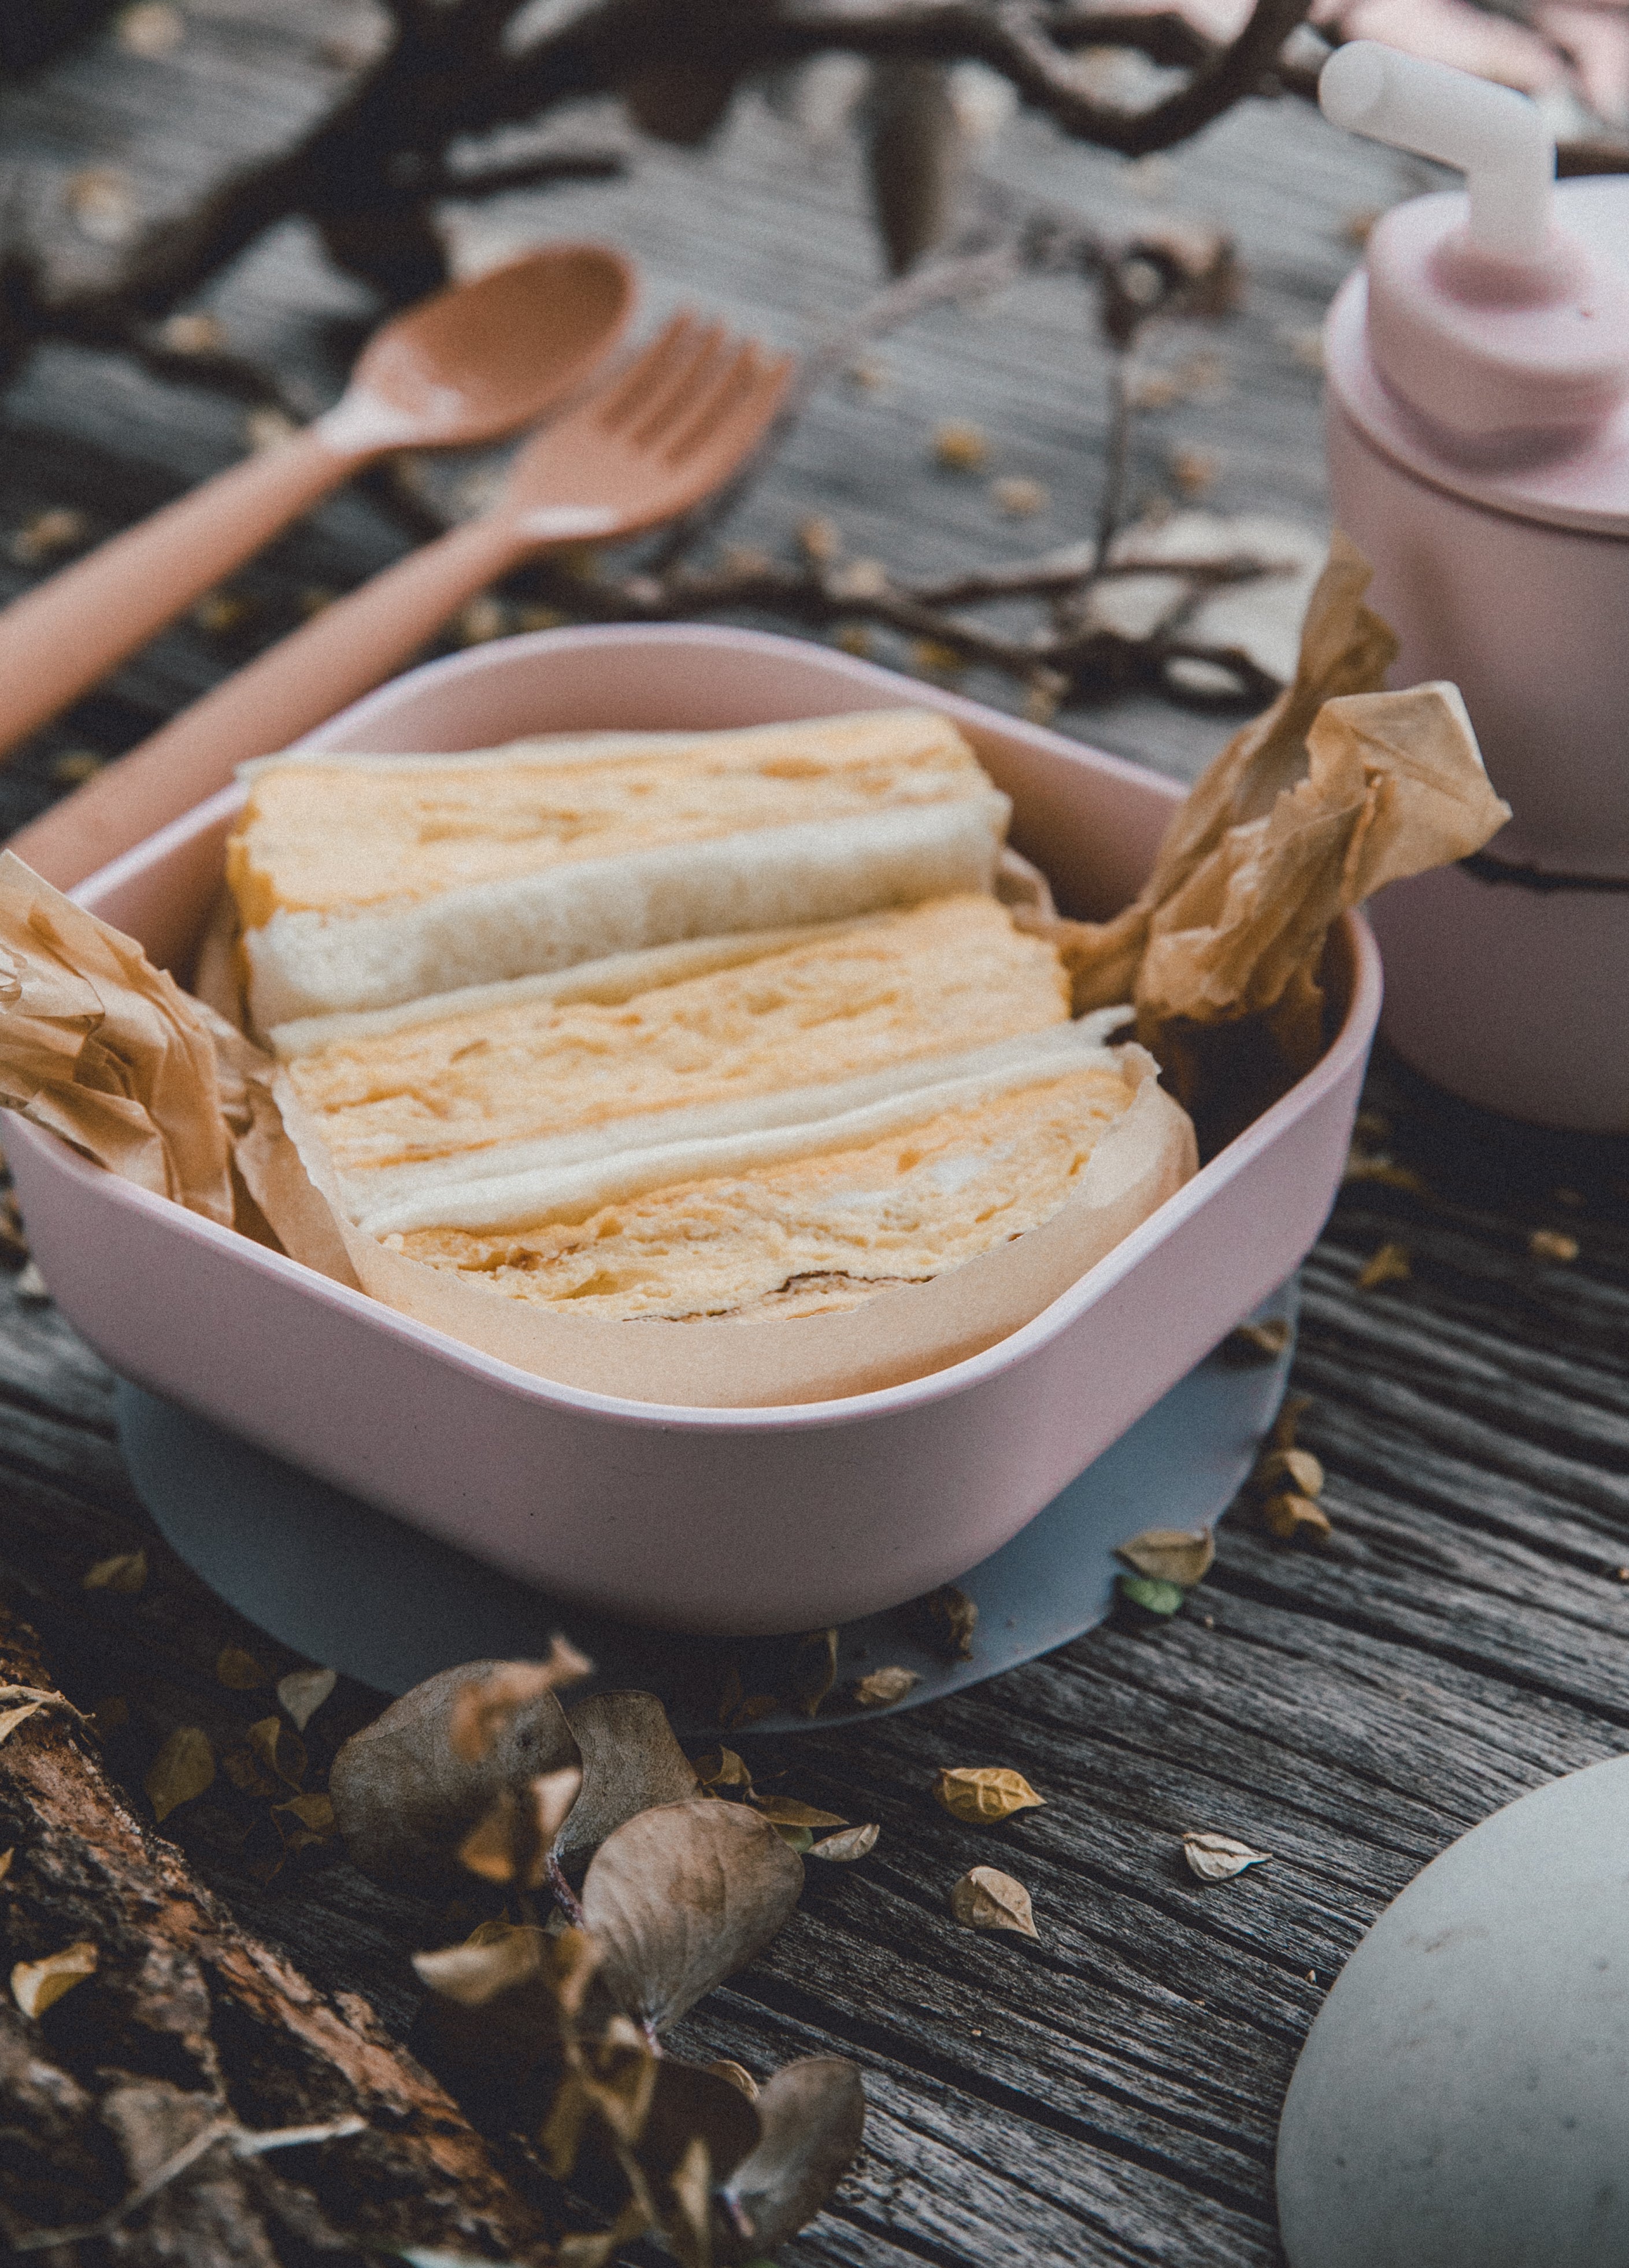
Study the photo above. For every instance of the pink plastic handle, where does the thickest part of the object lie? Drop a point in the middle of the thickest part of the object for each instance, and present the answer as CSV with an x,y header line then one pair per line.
x,y
343,652
59,639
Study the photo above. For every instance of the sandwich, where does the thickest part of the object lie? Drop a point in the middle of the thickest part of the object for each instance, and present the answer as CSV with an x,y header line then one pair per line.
x,y
787,1126
362,882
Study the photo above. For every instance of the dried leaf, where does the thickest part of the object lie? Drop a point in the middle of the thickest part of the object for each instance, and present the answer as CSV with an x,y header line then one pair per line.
x,y
1218,1857
984,1898
630,1761
1288,1515
10,1718
721,1768
812,2119
949,1617
800,1839
1297,1467
495,2008
303,1693
983,1794
680,1896
814,1670
512,1841
1552,1244
487,1702
6,1858
1254,1345
305,1820
880,1688
1389,1265
1154,1598
237,1667
405,1798
282,1752
853,1843
692,2103
597,2247
785,1811
182,1769
36,1985
125,1571
1170,1554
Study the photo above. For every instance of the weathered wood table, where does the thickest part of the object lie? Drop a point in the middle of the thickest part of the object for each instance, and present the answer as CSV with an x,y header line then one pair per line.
x,y
1110,2093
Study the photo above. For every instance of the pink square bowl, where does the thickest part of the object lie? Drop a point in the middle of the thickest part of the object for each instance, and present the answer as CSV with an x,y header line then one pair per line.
x,y
738,1520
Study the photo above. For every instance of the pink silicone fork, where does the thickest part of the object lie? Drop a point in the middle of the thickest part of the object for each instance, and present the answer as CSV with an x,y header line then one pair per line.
x,y
672,427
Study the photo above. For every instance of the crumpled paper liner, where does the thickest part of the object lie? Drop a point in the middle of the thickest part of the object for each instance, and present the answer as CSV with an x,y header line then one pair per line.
x,y
98,1046
1336,790
1142,1159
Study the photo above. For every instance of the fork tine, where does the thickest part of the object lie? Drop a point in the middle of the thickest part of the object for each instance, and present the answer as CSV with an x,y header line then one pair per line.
x,y
667,351
748,390
659,410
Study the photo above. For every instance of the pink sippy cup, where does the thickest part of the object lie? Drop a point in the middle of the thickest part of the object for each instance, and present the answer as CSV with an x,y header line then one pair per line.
x,y
1478,447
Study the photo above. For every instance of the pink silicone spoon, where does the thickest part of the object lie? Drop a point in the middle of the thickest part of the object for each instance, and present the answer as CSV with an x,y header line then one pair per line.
x,y
478,360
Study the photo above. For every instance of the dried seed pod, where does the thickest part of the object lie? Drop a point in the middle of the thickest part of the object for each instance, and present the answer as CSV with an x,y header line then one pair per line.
x,y
1288,1515
880,1688
1170,1554
914,155
1389,1265
983,1795
406,1792
1297,1467
853,1843
985,1898
785,1811
1218,1857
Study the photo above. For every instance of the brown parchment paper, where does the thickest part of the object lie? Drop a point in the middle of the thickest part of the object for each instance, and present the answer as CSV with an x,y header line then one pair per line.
x,y
1142,1159
1334,791
104,1050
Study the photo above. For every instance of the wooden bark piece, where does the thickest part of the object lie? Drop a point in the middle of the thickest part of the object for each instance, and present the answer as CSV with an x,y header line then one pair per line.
x,y
187,2020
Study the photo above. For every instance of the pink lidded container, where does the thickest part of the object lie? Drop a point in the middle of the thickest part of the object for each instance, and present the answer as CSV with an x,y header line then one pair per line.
x,y
739,1520
1479,448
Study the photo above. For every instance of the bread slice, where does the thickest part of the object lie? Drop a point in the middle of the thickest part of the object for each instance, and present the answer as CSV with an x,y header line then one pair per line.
x,y
857,1213
691,1042
362,882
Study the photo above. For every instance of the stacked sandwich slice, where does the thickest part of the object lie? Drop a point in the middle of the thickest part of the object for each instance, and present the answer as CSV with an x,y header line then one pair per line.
x,y
699,1031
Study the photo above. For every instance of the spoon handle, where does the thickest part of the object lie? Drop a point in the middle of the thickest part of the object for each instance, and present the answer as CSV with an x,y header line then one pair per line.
x,y
341,654
59,639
